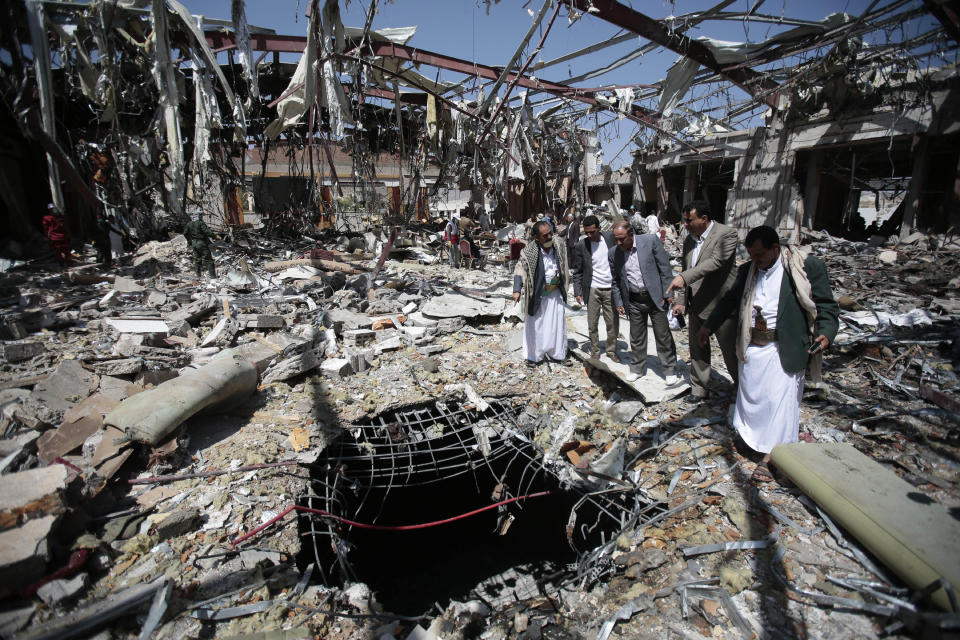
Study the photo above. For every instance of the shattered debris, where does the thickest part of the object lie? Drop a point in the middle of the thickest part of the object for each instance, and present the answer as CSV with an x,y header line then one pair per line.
x,y
330,432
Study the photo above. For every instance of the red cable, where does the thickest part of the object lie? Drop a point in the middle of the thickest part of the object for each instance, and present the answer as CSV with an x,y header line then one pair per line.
x,y
375,527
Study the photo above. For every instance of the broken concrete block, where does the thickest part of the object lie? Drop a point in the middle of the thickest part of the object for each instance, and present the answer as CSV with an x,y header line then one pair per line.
x,y
450,325
117,389
61,592
195,310
625,412
177,523
358,337
343,320
417,319
361,361
126,285
260,321
125,367
20,351
152,415
128,344
294,366
32,493
339,367
409,308
391,344
259,354
156,298
223,332
24,554
53,396
414,332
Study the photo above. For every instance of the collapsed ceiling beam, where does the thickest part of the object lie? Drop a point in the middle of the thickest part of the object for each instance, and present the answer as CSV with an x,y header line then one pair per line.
x,y
754,83
947,13
296,44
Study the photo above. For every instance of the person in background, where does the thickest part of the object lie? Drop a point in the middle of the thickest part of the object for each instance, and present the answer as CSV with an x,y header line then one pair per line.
x,y
451,236
572,232
56,232
198,235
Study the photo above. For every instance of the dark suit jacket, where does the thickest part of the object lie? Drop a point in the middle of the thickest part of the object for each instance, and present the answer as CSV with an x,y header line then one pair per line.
x,y
714,273
582,264
654,267
792,334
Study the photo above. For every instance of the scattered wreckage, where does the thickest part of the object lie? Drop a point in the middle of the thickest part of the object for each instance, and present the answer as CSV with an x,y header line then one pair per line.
x,y
330,454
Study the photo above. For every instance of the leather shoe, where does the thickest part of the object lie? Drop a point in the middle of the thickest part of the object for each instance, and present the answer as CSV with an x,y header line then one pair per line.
x,y
692,400
613,357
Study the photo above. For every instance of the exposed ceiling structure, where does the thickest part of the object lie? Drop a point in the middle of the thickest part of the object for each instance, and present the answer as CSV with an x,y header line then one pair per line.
x,y
139,103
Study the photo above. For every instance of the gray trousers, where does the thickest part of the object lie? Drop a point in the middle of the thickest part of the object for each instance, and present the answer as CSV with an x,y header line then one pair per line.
x,y
602,299
454,256
640,307
700,356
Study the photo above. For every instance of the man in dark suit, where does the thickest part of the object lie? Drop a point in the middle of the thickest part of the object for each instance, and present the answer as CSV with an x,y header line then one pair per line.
x,y
641,274
709,270
593,282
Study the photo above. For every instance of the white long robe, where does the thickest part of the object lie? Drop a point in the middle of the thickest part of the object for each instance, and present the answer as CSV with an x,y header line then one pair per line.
x,y
545,334
767,412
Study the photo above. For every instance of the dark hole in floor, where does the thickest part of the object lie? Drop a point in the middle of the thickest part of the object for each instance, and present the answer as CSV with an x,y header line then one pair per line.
x,y
434,462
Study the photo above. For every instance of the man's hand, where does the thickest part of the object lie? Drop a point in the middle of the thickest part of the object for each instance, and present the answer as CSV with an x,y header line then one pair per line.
x,y
676,283
621,311
667,302
679,310
821,340
579,299
703,336
516,296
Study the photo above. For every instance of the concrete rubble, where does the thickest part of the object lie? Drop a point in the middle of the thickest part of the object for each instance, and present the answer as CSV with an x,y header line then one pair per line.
x,y
169,504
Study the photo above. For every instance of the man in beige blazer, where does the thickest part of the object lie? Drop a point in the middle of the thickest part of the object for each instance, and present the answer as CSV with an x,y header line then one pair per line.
x,y
709,270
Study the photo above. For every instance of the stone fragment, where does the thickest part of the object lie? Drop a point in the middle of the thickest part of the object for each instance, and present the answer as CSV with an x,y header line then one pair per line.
x,y
414,332
887,257
260,321
339,367
625,412
124,367
177,523
53,396
24,554
126,285
128,345
21,351
390,344
31,493
358,337
293,366
60,592
222,332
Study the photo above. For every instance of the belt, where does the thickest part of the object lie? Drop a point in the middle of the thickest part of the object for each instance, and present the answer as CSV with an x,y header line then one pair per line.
x,y
640,292
761,338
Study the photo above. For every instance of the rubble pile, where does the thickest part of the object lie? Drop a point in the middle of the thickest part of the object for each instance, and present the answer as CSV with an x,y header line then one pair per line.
x,y
158,431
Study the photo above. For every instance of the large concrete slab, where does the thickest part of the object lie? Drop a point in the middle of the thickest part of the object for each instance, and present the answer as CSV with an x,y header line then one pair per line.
x,y
455,305
652,387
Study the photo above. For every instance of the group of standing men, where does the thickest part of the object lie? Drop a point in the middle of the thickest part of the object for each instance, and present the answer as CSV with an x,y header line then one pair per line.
x,y
772,317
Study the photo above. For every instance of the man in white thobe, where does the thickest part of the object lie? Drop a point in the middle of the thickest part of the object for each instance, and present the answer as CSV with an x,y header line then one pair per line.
x,y
542,277
787,317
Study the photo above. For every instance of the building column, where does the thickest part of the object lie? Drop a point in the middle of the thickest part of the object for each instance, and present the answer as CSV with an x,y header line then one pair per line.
x,y
917,179
689,183
811,192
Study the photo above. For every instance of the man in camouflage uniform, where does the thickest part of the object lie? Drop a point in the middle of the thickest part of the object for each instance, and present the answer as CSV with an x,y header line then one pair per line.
x,y
198,235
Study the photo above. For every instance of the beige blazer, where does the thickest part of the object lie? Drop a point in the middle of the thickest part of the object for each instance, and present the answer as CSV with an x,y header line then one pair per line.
x,y
714,273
